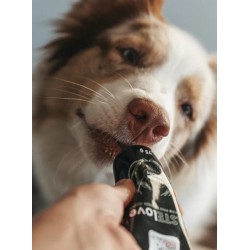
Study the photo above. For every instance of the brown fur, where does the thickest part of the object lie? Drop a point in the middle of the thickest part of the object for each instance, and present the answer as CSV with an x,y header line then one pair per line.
x,y
191,87
81,27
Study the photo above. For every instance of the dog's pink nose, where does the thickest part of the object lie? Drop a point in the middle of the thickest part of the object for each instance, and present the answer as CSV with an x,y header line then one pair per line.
x,y
148,122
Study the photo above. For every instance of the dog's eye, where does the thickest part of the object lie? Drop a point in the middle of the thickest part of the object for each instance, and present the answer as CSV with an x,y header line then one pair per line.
x,y
130,55
187,109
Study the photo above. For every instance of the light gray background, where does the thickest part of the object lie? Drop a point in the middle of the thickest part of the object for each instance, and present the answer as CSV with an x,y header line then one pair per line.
x,y
199,17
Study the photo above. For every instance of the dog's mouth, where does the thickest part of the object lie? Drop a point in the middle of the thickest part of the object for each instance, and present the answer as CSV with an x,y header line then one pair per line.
x,y
107,146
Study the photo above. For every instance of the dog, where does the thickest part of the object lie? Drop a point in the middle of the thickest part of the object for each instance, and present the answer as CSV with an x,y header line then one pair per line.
x,y
118,74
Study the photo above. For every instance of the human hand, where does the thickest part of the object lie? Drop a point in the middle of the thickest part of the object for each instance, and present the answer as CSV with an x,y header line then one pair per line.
x,y
86,218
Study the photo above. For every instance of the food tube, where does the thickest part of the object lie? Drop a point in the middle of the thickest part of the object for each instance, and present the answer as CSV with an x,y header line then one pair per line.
x,y
153,217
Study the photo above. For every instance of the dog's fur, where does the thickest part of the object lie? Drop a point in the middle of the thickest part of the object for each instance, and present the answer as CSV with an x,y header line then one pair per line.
x,y
86,83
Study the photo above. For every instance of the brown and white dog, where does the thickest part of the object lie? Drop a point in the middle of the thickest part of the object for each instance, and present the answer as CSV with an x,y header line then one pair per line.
x,y
118,74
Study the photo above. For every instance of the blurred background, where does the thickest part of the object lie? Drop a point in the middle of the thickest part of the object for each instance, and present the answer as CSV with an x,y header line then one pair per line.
x,y
198,17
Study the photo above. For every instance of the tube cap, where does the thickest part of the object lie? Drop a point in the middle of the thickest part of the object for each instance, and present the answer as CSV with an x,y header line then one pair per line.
x,y
127,157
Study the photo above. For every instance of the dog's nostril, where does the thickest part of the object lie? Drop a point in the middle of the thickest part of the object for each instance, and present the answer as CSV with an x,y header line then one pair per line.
x,y
141,116
161,130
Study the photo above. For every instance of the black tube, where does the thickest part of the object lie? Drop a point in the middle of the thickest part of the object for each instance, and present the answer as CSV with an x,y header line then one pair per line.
x,y
153,217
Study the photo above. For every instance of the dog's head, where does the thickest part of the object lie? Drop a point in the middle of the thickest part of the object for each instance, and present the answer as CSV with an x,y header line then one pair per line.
x,y
118,74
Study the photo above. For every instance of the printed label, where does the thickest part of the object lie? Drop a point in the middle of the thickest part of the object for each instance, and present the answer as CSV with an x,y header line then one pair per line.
x,y
166,217
159,241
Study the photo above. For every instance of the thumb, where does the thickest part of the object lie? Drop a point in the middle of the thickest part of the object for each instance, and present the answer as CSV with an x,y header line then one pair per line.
x,y
125,188
119,197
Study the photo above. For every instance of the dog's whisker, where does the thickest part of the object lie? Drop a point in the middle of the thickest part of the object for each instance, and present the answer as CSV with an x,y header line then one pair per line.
x,y
69,98
179,155
100,85
68,92
82,86
72,170
61,163
85,94
73,93
173,160
166,164
75,125
125,79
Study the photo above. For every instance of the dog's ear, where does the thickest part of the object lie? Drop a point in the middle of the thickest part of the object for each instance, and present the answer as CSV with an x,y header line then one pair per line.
x,y
156,7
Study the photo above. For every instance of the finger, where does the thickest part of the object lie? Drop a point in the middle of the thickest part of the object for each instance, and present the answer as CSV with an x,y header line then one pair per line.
x,y
121,195
126,190
112,200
